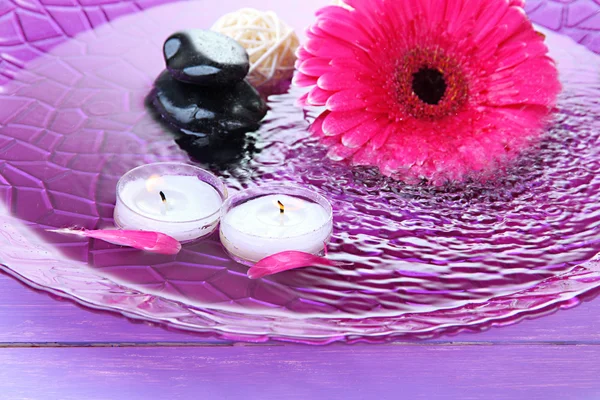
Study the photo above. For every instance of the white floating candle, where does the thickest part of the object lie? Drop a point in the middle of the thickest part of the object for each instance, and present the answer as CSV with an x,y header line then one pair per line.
x,y
260,222
176,199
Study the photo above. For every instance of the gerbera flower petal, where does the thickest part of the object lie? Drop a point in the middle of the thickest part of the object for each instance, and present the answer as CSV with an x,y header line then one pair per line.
x,y
304,80
314,66
318,96
381,137
343,15
345,30
340,152
335,50
302,100
371,13
316,128
489,19
337,123
347,100
364,156
302,54
520,119
515,53
457,14
356,138
336,81
430,89
326,48
361,64
524,88
510,28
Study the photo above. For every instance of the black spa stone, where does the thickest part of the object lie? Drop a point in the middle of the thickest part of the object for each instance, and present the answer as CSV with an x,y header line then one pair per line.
x,y
214,112
205,58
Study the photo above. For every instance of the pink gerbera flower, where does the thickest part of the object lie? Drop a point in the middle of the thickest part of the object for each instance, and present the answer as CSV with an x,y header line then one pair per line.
x,y
430,89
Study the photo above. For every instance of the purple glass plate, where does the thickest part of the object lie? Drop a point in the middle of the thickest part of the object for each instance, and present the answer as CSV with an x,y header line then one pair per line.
x,y
425,261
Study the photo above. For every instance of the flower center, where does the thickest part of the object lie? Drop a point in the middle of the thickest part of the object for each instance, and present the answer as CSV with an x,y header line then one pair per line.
x,y
429,85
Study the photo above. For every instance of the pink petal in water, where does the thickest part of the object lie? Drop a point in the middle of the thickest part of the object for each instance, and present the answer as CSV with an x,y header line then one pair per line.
x,y
153,242
287,260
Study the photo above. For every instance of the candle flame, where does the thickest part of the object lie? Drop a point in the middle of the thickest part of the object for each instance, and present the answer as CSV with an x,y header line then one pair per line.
x,y
281,207
290,205
153,182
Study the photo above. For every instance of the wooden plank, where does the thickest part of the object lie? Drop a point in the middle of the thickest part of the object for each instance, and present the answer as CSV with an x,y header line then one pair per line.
x,y
27,316
30,317
509,372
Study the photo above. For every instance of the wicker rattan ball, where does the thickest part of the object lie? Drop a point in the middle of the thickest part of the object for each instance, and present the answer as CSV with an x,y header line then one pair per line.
x,y
270,42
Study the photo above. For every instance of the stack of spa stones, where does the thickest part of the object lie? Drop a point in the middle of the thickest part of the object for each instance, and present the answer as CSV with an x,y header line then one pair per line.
x,y
203,92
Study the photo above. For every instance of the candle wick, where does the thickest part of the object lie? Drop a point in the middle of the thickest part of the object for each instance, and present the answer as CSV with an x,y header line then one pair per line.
x,y
281,207
163,209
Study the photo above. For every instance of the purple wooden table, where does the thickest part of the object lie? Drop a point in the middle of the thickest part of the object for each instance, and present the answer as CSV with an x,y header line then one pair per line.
x,y
53,349
56,350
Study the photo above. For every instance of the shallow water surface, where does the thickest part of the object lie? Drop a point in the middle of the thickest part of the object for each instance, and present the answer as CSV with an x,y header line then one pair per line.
x,y
75,121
